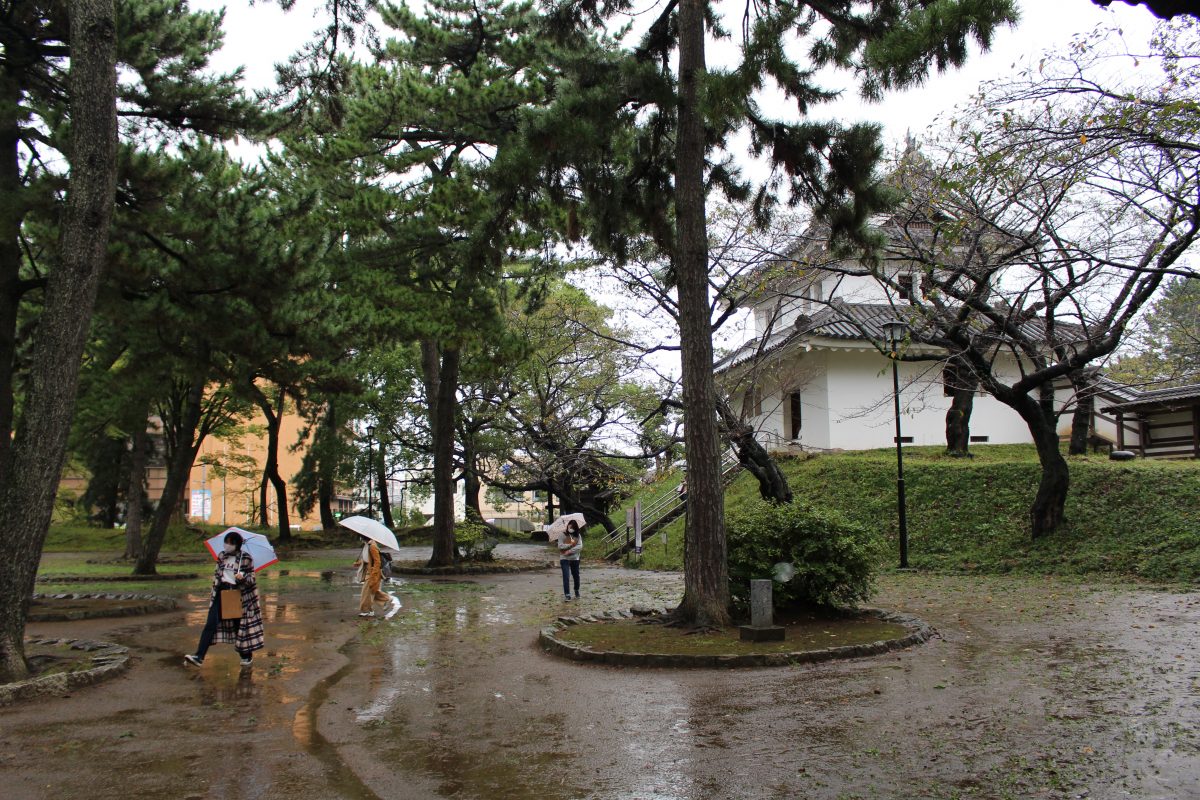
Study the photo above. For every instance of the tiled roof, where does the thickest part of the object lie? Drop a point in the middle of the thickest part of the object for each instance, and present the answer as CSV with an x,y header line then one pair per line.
x,y
857,322
1175,395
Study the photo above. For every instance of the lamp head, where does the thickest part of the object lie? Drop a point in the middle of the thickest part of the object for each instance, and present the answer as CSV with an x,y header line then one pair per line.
x,y
370,430
894,330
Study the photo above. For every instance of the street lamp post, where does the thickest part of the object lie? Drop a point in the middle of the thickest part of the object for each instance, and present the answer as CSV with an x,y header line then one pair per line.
x,y
370,471
894,331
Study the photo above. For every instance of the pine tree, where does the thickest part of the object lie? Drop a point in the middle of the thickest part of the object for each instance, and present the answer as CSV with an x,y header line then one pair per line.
x,y
830,167
432,131
35,457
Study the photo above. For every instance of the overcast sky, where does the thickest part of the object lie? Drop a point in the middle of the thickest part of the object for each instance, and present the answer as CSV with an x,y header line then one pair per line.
x,y
260,35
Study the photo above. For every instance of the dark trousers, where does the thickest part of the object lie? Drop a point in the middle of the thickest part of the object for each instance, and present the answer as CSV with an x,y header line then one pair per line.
x,y
570,569
211,624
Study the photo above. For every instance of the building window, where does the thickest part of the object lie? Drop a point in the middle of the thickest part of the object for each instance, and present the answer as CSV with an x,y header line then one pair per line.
x,y
980,439
795,413
908,287
752,402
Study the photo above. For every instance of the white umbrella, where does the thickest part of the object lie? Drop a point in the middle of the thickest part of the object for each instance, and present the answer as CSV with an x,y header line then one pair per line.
x,y
257,545
372,530
559,526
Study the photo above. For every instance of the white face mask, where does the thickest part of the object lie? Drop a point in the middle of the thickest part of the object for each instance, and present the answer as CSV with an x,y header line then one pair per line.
x,y
230,548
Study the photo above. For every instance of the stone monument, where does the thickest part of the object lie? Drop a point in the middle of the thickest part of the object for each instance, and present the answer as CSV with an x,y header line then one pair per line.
x,y
762,627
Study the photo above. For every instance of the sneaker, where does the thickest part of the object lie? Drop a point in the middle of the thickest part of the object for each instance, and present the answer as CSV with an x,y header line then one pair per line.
x,y
366,613
193,661
247,661
566,598
576,596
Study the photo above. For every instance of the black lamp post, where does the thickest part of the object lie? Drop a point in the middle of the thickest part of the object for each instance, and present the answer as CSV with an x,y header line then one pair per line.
x,y
894,332
370,471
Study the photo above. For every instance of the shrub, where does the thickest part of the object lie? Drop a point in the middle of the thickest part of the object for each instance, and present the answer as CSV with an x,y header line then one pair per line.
x,y
475,541
833,559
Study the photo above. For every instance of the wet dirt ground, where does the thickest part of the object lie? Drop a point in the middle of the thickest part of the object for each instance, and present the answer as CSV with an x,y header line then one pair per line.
x,y
1035,688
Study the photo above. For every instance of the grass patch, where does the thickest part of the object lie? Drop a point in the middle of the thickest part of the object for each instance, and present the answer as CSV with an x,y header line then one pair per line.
x,y
802,635
1134,519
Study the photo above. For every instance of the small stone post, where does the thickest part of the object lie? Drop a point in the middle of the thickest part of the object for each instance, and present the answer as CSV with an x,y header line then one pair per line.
x,y
762,627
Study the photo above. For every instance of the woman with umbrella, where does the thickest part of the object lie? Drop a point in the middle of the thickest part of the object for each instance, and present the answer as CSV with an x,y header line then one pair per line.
x,y
570,546
371,565
240,626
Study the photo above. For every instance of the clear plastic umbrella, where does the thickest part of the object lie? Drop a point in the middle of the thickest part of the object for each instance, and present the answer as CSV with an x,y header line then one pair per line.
x,y
257,545
559,526
372,530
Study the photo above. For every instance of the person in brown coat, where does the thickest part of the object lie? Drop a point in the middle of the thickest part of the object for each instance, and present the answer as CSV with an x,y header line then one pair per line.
x,y
370,565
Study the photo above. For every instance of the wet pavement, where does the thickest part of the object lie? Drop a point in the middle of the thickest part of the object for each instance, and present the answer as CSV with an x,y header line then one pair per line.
x,y
1035,688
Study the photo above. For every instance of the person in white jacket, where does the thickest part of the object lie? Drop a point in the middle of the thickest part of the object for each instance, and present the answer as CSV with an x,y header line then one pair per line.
x,y
570,545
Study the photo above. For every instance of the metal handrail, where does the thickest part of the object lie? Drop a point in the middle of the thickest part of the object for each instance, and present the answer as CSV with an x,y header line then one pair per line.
x,y
665,505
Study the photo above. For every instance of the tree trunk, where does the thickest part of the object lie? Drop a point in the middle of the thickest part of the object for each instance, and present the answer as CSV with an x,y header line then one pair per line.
x,y
327,468
961,379
135,490
385,502
11,214
772,483
1046,513
472,485
1084,383
37,452
958,423
179,469
705,568
274,417
440,366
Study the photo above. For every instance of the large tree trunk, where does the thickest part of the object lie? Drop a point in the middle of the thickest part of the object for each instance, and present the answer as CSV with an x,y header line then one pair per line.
x,y
135,489
1084,383
179,469
440,366
385,502
37,452
11,213
772,483
705,568
963,384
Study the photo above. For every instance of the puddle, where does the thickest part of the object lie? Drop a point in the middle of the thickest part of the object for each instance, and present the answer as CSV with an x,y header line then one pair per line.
x,y
306,734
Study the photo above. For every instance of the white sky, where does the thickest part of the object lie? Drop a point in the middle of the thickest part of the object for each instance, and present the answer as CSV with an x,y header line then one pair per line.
x,y
260,35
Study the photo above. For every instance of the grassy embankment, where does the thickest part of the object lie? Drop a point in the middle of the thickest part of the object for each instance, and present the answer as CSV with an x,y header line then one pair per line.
x,y
1138,519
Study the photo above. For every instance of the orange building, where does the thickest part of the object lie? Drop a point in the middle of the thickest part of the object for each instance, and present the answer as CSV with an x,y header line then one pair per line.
x,y
223,488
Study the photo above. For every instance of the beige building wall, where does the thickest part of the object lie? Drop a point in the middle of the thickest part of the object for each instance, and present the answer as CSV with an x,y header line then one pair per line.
x,y
227,474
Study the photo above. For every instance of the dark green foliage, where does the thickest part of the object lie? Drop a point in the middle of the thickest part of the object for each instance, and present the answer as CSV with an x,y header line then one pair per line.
x,y
834,559
475,541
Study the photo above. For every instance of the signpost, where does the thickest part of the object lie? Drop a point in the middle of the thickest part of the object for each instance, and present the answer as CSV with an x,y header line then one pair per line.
x,y
637,527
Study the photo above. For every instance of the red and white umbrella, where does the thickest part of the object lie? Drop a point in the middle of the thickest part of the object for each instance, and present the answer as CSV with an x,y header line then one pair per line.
x,y
257,545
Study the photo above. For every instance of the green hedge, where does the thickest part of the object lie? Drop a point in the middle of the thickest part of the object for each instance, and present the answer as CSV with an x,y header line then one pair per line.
x,y
818,558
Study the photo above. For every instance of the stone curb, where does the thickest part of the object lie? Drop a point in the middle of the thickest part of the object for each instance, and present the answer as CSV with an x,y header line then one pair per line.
x,y
173,576
152,604
918,632
108,660
471,569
